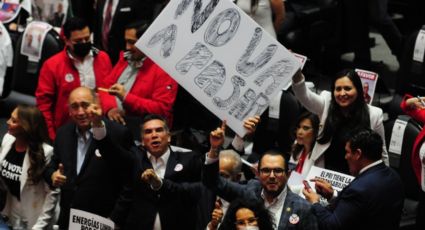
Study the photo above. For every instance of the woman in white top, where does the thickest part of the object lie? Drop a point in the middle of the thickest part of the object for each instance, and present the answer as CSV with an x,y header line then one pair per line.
x,y
262,10
306,133
340,111
24,154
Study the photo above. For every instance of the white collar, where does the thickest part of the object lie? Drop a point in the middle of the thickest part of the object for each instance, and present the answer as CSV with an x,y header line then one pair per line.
x,y
164,156
370,166
280,198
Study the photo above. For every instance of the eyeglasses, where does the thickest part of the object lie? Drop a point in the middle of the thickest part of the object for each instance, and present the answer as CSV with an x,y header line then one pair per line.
x,y
268,171
250,221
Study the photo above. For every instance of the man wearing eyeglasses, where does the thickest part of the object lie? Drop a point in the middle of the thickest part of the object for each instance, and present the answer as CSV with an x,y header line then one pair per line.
x,y
288,209
79,64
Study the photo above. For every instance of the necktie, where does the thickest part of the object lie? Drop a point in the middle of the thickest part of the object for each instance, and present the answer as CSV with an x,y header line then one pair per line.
x,y
107,25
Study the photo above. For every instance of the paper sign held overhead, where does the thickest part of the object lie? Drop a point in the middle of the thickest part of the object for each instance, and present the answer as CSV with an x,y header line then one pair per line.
x,y
369,80
221,56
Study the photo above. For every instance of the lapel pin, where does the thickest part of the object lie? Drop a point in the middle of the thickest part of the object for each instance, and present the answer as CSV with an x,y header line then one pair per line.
x,y
178,167
288,209
97,153
294,219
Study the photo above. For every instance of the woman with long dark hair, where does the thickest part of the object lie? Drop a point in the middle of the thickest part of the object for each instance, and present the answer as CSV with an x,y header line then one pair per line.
x,y
305,138
247,214
24,154
340,111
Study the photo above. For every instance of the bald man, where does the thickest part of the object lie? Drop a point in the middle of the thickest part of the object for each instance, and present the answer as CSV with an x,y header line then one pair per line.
x,y
90,180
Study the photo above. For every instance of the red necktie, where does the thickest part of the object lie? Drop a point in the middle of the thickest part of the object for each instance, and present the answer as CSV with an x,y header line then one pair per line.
x,y
107,25
300,164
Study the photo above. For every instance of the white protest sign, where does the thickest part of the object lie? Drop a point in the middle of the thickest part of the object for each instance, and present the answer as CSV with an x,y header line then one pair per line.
x,y
337,179
81,220
369,80
219,55
418,53
396,141
33,38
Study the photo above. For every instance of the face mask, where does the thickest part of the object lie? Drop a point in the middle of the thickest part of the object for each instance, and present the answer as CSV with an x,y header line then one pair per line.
x,y
249,228
135,62
82,49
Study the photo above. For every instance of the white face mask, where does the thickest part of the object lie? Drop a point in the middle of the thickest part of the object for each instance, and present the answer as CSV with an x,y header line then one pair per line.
x,y
249,228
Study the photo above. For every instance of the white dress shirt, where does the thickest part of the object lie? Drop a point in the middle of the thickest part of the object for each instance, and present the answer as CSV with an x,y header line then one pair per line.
x,y
85,70
159,166
276,206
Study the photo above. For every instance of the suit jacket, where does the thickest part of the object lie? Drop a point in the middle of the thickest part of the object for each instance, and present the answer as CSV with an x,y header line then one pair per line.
x,y
38,202
96,188
205,207
319,105
373,200
293,204
139,203
127,11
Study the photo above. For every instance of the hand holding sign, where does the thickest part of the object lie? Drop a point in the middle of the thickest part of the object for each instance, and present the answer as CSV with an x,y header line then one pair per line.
x,y
323,187
251,124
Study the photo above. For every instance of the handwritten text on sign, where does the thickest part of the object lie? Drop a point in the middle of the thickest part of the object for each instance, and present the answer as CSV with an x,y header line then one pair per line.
x,y
219,55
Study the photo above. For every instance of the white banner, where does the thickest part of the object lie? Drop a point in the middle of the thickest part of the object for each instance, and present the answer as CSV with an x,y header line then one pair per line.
x,y
81,220
337,179
221,56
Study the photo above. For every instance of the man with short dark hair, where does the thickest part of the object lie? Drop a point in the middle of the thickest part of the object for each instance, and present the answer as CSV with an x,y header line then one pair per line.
x,y
111,17
138,85
288,209
212,208
373,200
79,64
150,200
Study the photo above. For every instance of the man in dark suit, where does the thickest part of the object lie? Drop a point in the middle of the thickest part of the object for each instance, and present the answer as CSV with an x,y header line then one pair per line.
x,y
145,204
289,210
90,178
111,18
210,206
373,200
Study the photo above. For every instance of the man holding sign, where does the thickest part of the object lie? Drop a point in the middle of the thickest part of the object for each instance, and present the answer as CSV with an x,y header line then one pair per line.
x,y
373,200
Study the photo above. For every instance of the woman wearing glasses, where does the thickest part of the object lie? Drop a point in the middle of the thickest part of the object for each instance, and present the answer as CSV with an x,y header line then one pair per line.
x,y
247,215
306,132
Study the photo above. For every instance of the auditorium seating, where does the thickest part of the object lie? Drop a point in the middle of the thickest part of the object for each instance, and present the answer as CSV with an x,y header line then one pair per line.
x,y
25,73
402,164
